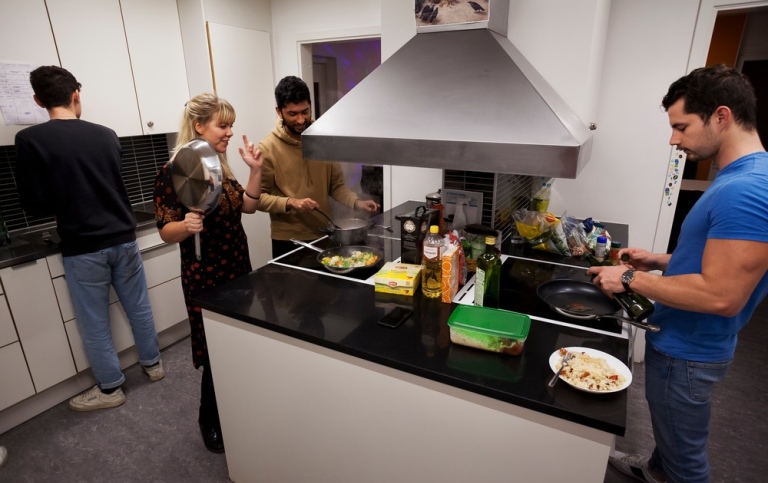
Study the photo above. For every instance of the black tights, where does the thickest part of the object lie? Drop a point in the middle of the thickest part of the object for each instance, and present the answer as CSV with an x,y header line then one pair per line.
x,y
209,410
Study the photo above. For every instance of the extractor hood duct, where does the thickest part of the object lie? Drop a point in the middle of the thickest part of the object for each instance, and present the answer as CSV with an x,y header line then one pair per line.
x,y
462,100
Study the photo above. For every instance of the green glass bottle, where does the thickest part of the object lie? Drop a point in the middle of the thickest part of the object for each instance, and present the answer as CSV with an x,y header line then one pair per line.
x,y
488,275
635,305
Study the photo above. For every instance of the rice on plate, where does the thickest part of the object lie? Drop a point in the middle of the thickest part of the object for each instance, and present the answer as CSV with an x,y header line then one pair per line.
x,y
591,373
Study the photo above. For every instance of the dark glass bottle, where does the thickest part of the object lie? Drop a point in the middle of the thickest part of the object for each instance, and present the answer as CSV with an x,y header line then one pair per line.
x,y
488,275
636,306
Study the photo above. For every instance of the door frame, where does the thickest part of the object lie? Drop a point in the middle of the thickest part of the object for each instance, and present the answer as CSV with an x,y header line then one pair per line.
x,y
702,38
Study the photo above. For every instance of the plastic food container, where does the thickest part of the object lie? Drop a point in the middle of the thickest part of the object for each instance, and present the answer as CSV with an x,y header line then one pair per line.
x,y
489,329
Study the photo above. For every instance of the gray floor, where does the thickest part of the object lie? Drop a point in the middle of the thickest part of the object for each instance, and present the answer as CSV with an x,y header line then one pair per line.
x,y
154,436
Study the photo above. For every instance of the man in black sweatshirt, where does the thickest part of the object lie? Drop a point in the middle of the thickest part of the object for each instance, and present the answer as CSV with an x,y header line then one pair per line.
x,y
71,169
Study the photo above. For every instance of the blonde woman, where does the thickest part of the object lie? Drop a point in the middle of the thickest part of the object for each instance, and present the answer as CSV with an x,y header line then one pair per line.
x,y
224,246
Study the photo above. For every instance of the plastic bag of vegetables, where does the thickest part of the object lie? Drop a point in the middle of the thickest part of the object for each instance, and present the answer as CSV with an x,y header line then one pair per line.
x,y
543,231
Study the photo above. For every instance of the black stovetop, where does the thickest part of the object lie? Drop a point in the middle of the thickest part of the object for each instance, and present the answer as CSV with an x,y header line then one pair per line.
x,y
519,280
307,259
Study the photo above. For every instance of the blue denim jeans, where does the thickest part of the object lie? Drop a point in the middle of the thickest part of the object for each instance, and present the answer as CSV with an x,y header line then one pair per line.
x,y
679,396
89,277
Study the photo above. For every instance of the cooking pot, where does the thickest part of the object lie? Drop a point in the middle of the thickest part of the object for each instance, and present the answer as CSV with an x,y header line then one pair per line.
x,y
350,231
583,300
344,251
197,179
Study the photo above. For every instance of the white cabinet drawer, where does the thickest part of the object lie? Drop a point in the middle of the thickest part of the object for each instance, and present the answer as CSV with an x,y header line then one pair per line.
x,y
168,309
168,305
32,300
15,380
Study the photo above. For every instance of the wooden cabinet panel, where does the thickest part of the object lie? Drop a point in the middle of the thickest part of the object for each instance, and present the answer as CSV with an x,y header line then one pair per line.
x,y
14,377
32,301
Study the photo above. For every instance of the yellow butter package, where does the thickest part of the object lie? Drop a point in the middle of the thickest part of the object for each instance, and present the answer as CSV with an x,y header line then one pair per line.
x,y
398,278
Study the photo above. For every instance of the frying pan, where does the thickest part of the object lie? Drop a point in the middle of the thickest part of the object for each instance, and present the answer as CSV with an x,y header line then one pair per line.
x,y
197,179
343,251
583,300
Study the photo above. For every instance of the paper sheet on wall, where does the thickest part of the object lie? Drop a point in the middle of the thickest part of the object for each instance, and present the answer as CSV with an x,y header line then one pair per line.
x,y
16,103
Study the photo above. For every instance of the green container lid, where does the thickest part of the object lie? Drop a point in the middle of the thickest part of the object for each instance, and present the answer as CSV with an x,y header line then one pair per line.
x,y
489,329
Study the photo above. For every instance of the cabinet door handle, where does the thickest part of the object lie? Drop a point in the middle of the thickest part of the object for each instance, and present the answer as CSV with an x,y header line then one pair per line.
x,y
150,123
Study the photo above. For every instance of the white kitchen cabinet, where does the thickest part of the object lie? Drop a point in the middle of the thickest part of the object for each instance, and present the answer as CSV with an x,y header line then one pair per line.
x,y
25,36
153,34
129,60
162,269
15,380
168,309
32,300
7,330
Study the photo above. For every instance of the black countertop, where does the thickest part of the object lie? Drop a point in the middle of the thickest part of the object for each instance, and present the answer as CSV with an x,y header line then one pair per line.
x,y
40,241
343,315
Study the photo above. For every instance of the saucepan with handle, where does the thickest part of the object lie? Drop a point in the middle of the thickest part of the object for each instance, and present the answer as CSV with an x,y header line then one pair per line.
x,y
197,179
345,252
584,301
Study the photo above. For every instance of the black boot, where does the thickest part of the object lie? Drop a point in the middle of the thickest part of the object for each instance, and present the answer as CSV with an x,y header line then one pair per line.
x,y
212,438
210,427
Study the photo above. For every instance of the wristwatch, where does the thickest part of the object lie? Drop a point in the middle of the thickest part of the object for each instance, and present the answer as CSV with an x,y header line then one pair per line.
x,y
627,278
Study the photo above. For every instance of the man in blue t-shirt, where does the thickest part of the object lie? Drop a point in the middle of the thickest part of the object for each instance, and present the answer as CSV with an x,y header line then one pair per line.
x,y
713,280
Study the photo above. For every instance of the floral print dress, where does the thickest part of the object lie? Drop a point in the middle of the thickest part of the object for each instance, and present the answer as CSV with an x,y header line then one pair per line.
x,y
223,248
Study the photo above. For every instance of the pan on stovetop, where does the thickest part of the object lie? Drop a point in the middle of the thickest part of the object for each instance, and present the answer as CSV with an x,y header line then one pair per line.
x,y
345,251
583,300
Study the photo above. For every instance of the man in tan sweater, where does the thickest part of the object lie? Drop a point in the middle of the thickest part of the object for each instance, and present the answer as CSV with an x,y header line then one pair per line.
x,y
292,188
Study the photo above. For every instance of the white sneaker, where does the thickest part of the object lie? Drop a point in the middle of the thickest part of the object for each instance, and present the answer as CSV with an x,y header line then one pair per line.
x,y
155,372
95,399
634,465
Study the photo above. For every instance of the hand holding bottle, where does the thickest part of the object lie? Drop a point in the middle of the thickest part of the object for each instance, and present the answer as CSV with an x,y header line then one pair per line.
x,y
641,259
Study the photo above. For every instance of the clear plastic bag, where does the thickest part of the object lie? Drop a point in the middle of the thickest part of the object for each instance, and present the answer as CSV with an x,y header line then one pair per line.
x,y
543,231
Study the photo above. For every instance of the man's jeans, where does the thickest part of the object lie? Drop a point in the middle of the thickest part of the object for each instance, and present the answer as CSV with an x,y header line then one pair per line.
x,y
679,398
89,277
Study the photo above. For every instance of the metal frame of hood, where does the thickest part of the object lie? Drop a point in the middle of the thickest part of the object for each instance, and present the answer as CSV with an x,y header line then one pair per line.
x,y
464,100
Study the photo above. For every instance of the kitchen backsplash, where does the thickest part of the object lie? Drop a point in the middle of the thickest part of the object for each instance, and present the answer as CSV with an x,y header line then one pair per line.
x,y
502,195
143,156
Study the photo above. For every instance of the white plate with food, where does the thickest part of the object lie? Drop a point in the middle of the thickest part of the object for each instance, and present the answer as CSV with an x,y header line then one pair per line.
x,y
591,370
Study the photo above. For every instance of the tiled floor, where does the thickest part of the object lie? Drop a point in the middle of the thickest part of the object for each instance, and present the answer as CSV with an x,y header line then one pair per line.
x,y
154,436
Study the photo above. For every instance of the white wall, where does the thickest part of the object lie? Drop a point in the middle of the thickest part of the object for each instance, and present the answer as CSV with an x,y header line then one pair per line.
x,y
242,68
647,48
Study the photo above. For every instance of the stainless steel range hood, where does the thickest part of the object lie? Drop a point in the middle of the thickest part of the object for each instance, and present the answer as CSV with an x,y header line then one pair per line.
x,y
462,99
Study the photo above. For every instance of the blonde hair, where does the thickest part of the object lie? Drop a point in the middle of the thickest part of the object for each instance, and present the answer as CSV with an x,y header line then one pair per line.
x,y
202,108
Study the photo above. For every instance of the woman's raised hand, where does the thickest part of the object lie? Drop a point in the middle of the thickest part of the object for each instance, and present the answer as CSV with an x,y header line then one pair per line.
x,y
250,154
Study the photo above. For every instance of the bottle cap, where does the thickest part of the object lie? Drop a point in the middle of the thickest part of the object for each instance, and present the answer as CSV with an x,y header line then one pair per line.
x,y
490,240
434,229
615,244
602,239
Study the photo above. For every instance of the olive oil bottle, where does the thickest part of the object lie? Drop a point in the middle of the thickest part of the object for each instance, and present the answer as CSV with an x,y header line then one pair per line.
x,y
488,275
635,305
431,264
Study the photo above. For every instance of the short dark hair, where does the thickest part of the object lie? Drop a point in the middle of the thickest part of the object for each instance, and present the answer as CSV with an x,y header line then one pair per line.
x,y
707,88
291,89
53,85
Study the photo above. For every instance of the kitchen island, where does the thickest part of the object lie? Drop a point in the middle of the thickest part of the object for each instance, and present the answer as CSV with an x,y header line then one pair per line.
x,y
311,388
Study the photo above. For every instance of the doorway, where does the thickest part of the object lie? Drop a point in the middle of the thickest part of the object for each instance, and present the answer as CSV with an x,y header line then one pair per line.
x,y
740,40
337,67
